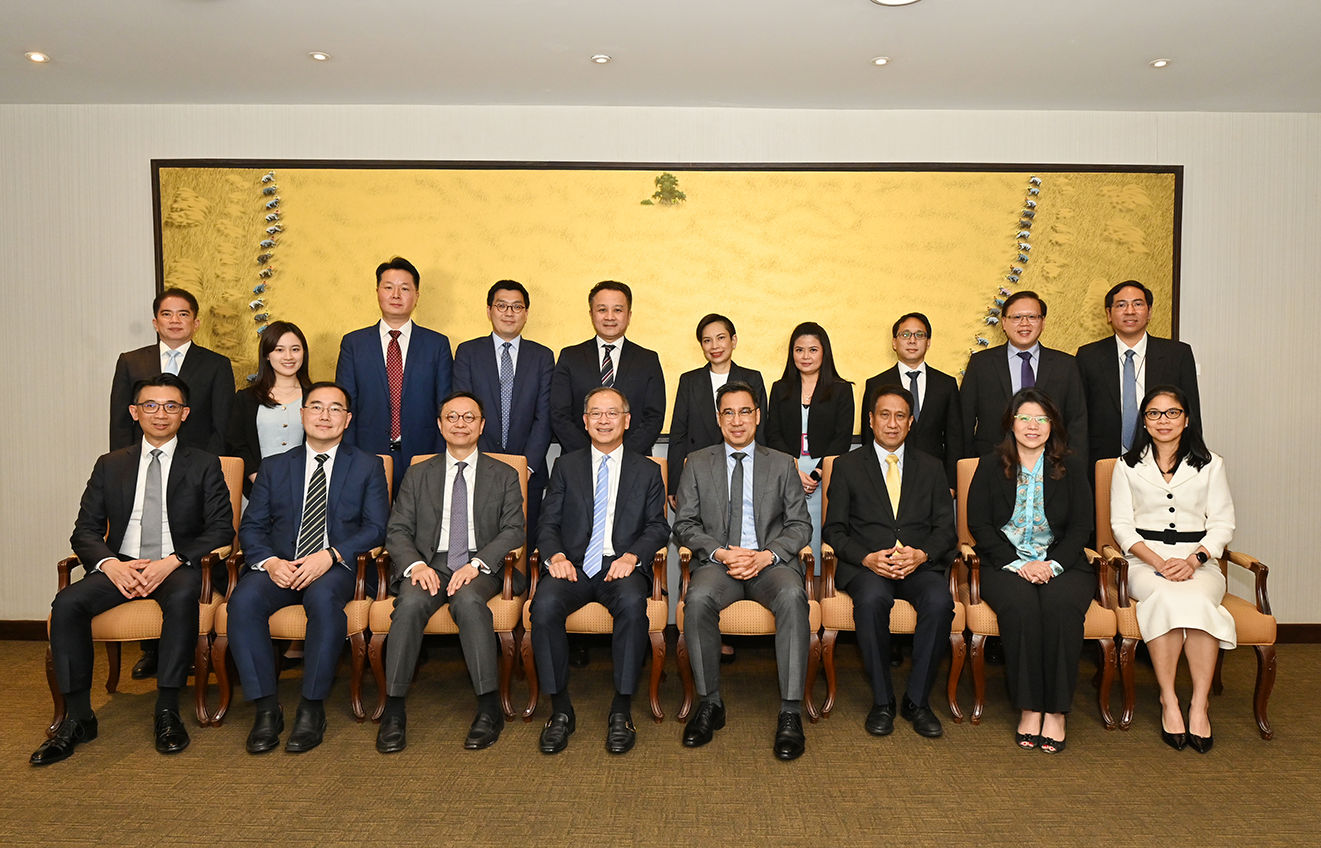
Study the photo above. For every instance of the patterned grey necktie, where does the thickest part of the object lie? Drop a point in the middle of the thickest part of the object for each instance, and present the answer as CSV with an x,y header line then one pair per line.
x,y
1130,410
734,532
150,546
506,391
458,542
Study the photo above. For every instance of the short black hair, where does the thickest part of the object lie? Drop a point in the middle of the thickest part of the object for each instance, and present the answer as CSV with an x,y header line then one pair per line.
x,y
732,386
329,384
508,285
174,292
399,263
163,379
1023,295
612,285
1110,295
712,318
894,331
587,401
891,389
461,394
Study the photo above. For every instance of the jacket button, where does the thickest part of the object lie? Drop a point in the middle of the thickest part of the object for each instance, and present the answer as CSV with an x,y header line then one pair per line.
x,y
1171,497
1171,509
1171,525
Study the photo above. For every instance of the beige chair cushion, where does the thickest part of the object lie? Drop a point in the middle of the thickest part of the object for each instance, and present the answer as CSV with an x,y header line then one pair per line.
x,y
291,622
142,619
749,618
594,618
1252,627
837,614
1099,624
504,617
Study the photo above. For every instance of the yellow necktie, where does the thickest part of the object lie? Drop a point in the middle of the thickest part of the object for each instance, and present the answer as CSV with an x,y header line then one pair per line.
x,y
892,485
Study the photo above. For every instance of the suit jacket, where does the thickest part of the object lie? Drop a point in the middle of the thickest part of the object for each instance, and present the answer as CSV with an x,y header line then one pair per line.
x,y
361,371
859,518
357,506
477,370
1193,500
695,425
196,503
938,431
637,374
210,379
413,534
1168,362
829,421
1067,502
987,390
566,514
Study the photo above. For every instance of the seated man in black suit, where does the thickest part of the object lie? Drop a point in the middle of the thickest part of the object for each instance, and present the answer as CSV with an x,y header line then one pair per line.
x,y
890,519
455,517
602,522
937,418
166,506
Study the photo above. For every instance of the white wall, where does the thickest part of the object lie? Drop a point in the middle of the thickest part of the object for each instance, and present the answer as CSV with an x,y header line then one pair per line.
x,y
76,262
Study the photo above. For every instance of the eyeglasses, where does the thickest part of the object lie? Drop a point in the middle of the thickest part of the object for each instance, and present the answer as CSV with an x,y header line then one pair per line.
x,y
887,415
1029,419
608,414
465,417
912,334
151,407
1028,318
1174,414
505,308
334,409
731,414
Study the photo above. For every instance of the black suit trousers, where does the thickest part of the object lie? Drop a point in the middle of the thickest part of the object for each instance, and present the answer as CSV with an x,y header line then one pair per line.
x,y
873,599
557,599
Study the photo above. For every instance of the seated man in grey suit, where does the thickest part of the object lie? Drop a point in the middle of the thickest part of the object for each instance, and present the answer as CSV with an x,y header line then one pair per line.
x,y
455,517
742,511
890,519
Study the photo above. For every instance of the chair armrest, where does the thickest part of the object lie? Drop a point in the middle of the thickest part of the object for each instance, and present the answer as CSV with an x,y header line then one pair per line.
x,y
512,559
533,572
659,566
360,579
233,565
685,571
1100,566
1119,563
65,567
809,572
1259,570
974,566
206,565
383,564
828,563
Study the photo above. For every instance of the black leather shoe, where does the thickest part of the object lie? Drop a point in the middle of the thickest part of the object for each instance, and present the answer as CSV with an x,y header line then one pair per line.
x,y
579,657
880,721
266,730
702,727
70,733
485,731
727,655
1177,741
171,735
924,720
789,739
391,737
145,666
555,735
1200,744
308,731
620,734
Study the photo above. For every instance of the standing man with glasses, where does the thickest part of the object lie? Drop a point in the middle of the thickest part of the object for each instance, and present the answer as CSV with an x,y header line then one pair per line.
x,y
511,377
994,376
312,512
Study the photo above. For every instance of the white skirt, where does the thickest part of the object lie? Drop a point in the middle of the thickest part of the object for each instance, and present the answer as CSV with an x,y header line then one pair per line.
x,y
1164,605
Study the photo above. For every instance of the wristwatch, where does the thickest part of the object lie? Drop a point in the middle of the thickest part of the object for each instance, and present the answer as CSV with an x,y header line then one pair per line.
x,y
1201,557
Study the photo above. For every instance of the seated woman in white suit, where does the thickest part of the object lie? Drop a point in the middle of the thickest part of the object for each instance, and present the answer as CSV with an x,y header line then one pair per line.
x,y
1171,512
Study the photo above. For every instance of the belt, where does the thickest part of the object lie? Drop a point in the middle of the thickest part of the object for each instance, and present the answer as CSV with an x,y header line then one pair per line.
x,y
395,447
1171,537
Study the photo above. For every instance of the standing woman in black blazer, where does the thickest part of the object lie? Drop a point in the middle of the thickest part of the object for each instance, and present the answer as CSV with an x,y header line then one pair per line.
x,y
811,413
1030,510
265,418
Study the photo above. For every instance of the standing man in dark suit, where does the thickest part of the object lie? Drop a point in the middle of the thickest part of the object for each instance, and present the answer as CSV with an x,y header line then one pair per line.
x,y
993,376
511,377
890,520
312,512
149,515
608,360
396,373
601,524
455,518
937,419
743,512
1117,371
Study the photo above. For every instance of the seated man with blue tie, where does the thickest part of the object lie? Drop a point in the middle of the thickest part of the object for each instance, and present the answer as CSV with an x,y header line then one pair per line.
x,y
742,511
312,512
149,514
597,547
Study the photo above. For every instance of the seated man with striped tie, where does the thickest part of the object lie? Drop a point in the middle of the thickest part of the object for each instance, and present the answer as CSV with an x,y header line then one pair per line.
x,y
150,513
742,511
455,518
312,512
602,522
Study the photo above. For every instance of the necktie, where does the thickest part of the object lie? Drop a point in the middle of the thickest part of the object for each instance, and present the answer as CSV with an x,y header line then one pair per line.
x,y
1130,400
734,533
892,485
1028,379
458,550
150,545
917,398
607,368
172,367
394,372
312,535
596,547
506,391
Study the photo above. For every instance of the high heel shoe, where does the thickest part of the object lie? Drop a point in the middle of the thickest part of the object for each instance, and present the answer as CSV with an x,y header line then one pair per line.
x,y
1200,744
1177,741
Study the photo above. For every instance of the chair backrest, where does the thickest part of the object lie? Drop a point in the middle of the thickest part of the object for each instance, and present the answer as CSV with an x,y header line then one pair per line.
x,y
1105,472
513,460
967,467
665,481
827,466
389,474
232,468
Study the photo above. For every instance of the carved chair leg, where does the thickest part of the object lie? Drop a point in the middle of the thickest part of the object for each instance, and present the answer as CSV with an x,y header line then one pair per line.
x,y
657,669
506,672
1265,683
978,677
224,683
828,661
359,667
113,653
1107,647
686,675
202,676
519,635
376,658
1217,683
55,695
530,671
813,663
958,650
1127,650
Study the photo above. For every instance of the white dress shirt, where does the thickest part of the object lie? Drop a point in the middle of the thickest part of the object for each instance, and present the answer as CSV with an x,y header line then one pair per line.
x,y
616,456
166,350
614,354
405,332
469,477
921,370
500,349
131,547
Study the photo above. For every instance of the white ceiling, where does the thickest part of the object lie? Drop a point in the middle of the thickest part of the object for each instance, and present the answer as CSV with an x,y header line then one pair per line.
x,y
1226,55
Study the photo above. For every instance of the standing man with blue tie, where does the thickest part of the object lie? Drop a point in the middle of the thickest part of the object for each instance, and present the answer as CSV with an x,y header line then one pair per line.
x,y
511,377
396,373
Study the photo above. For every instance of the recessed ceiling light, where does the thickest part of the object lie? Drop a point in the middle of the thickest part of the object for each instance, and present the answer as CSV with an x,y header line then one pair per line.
x,y
600,58
1159,63
881,60
894,2
319,56
39,58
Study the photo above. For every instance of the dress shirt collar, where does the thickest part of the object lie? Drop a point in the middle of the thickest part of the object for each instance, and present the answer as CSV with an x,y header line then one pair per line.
x,y
500,343
312,454
450,461
601,343
405,331
881,453
1013,352
1140,348
921,370
167,450
616,455
730,450
182,349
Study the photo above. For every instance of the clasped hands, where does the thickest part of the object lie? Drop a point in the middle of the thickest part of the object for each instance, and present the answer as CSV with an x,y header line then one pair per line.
x,y
895,563
1036,572
559,566
743,563
1177,570
298,574
428,578
140,577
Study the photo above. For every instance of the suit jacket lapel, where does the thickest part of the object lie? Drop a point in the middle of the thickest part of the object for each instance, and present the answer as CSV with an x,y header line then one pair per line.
x,y
378,359
128,481
873,465
763,491
344,459
433,509
1002,369
1114,373
298,472
708,401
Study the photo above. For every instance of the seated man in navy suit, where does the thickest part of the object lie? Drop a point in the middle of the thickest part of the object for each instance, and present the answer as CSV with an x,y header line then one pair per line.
x,y
312,512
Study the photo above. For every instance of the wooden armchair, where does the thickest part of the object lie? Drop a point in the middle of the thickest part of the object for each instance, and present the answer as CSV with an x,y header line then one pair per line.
x,y
594,618
141,619
1253,622
837,615
505,607
1099,624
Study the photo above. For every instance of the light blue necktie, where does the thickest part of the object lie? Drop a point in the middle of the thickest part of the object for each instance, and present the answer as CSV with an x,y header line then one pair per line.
x,y
596,547
172,367
506,391
1130,400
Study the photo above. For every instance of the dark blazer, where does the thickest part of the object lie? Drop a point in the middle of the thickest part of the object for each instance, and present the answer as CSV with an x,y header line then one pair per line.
x,y
1168,362
566,513
829,421
637,374
860,520
241,439
694,425
987,390
357,506
196,503
938,430
210,379
1068,505
477,370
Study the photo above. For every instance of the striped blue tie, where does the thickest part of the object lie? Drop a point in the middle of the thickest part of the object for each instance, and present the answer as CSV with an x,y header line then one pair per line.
x,y
596,547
